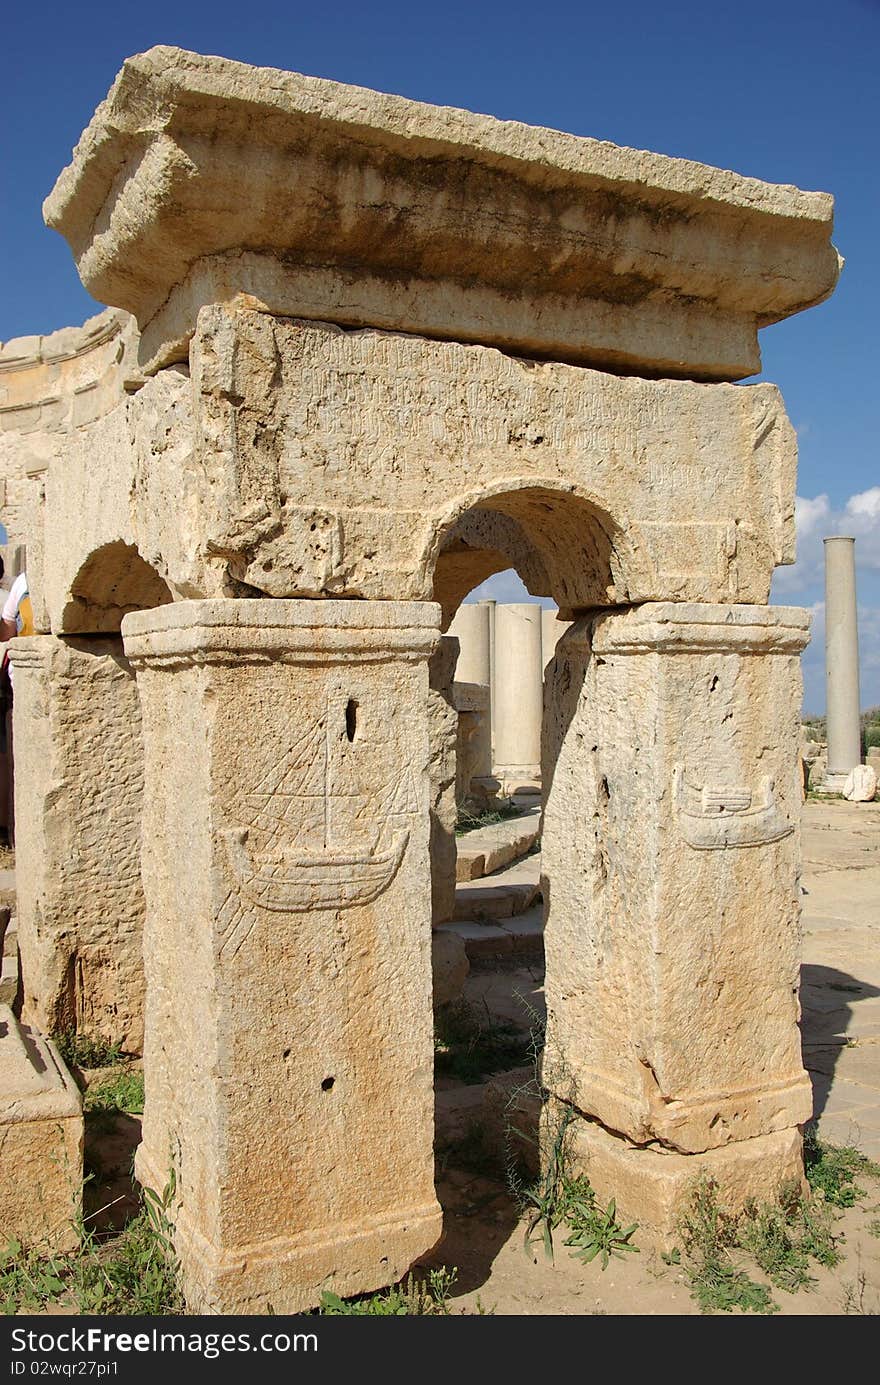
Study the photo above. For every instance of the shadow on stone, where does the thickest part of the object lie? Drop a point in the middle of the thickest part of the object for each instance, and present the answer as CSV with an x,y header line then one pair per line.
x,y
827,998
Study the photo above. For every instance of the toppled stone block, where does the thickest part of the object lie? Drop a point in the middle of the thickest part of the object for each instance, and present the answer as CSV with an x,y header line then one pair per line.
x,y
861,784
818,771
450,964
41,1140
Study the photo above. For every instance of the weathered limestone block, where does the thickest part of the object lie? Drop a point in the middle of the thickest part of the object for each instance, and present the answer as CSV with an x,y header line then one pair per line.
x,y
449,966
443,733
616,480
79,793
653,1184
672,936
301,460
478,544
199,177
288,1050
474,742
818,771
51,386
41,1141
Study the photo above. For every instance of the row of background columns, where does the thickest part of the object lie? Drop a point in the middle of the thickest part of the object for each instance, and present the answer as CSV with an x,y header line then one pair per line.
x,y
506,647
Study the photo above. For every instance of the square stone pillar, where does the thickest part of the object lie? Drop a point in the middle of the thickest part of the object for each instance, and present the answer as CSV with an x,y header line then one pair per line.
x,y
671,857
78,792
288,1049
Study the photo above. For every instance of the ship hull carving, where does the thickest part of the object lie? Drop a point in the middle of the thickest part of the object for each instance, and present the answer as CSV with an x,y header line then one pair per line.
x,y
721,817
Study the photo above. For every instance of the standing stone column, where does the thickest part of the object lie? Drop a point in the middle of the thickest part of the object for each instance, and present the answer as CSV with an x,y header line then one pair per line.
x,y
491,607
288,1049
518,691
841,662
470,626
79,789
671,847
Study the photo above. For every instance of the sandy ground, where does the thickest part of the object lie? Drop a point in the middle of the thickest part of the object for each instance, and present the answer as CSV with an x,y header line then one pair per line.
x,y
484,1232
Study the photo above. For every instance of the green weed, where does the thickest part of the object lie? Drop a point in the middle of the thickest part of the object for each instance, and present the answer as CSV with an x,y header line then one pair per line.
x,y
708,1235
832,1170
411,1298
472,822
558,1199
595,1233
121,1092
87,1051
468,1048
135,1272
785,1237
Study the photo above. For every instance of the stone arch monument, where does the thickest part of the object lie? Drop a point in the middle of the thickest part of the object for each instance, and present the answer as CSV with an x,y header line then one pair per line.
x,y
370,340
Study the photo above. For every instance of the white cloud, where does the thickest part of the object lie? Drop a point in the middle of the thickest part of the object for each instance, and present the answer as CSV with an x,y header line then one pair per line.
x,y
869,658
816,520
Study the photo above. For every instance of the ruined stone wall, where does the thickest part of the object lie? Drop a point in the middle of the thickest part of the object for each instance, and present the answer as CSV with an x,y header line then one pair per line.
x,y
51,386
79,750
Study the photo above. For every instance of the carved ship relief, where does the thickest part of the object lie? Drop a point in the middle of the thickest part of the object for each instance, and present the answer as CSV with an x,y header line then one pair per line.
x,y
316,838
719,816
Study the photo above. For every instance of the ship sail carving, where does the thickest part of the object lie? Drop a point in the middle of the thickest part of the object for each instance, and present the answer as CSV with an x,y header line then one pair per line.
x,y
315,838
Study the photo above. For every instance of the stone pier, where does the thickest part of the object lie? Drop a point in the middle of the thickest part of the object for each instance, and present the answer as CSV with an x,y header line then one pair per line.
x,y
841,663
288,1049
79,793
471,627
672,971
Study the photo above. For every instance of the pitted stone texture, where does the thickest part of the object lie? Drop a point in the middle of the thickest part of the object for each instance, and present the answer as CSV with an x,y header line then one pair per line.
x,y
287,746
672,934
615,481
41,1140
199,177
443,771
79,792
654,1186
450,966
301,460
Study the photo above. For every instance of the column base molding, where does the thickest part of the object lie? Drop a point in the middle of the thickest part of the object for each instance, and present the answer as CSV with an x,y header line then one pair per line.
x,y
289,1274
653,1186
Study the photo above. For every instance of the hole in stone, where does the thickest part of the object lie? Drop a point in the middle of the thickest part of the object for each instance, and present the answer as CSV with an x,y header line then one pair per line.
x,y
714,684
327,1084
286,1053
351,712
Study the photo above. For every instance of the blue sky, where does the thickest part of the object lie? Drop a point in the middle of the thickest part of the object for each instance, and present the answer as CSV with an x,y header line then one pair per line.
x,y
783,91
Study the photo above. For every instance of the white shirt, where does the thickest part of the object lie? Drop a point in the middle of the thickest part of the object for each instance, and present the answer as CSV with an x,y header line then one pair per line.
x,y
18,592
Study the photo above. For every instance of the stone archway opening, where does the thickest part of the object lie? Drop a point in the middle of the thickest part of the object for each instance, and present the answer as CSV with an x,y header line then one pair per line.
x,y
113,581
488,949
562,544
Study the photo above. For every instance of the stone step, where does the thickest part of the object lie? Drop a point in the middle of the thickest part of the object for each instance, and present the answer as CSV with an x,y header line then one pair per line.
x,y
523,934
501,901
500,896
491,848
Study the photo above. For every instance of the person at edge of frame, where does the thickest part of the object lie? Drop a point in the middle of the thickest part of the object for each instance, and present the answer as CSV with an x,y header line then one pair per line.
x,y
16,619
